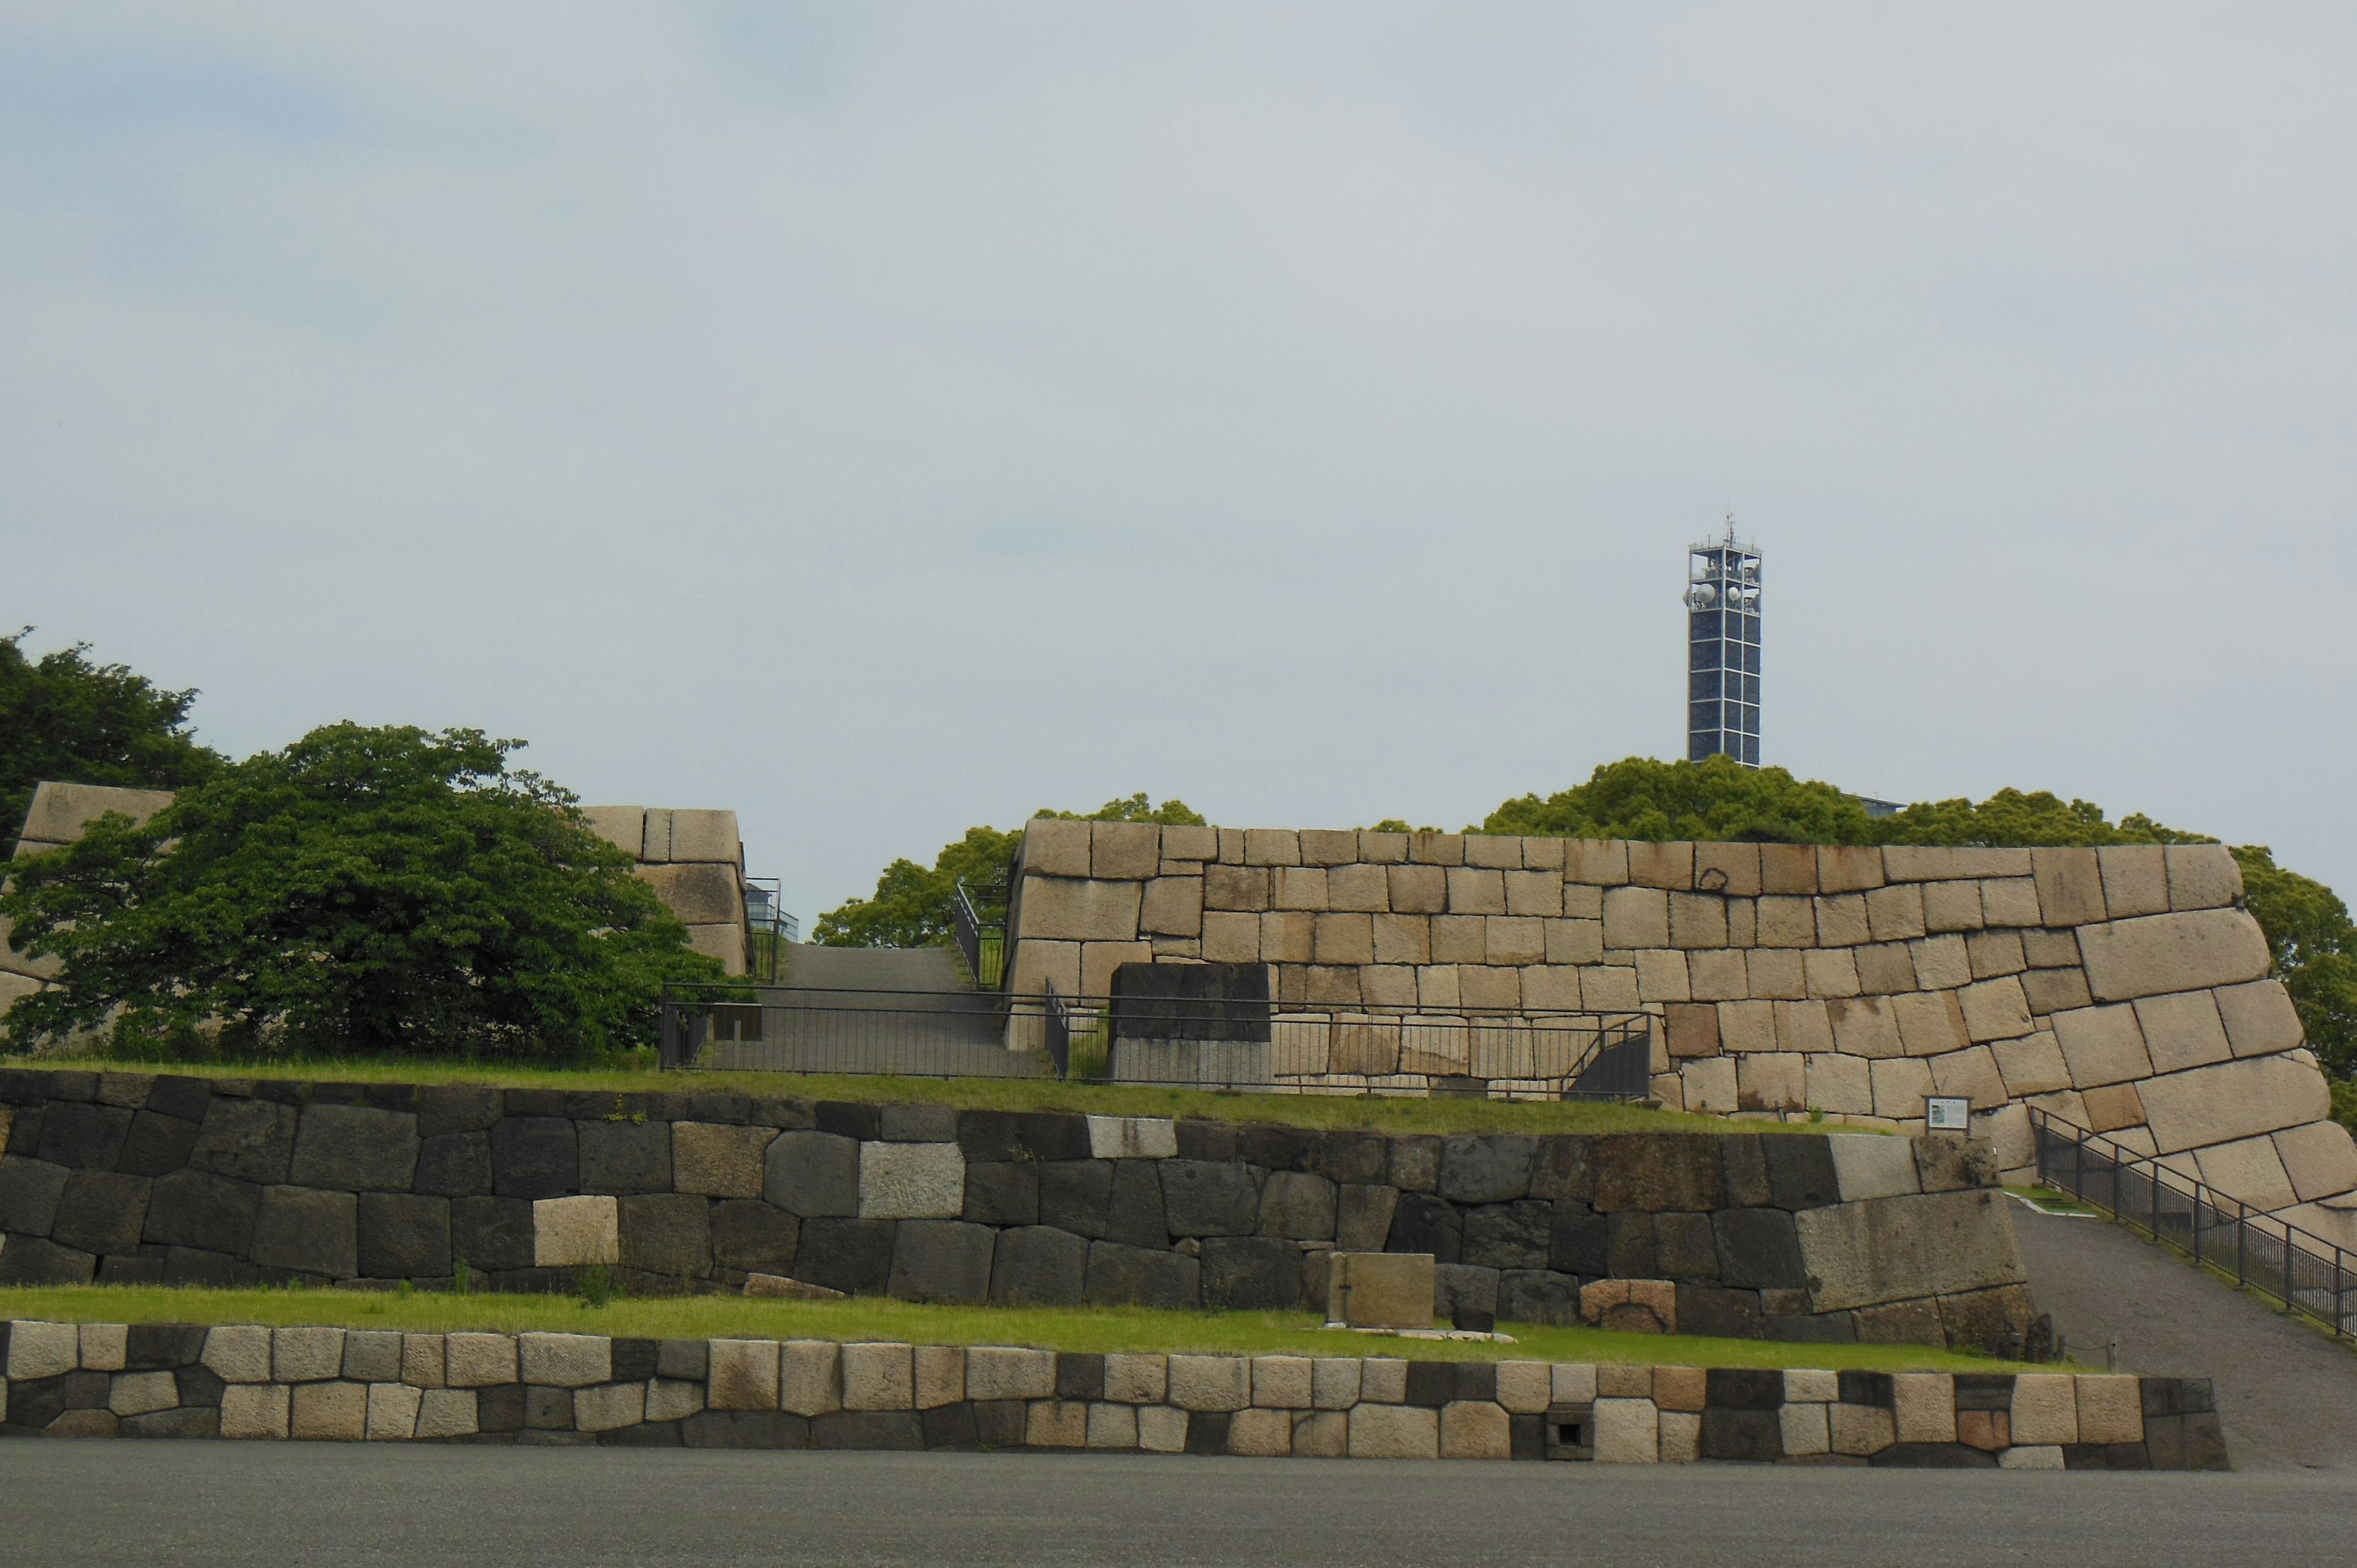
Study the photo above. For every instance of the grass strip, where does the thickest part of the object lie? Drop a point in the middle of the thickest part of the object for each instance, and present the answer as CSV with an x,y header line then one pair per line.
x,y
1083,1329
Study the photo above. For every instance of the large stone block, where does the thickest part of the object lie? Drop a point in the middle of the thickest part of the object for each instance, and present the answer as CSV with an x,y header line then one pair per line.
x,y
624,1158
879,1376
251,1139
303,1355
1206,1197
719,1160
2070,886
2045,1409
2249,1171
943,1261
576,1232
1037,1265
912,1181
478,1360
565,1360
2102,1044
1395,1431
30,1191
402,1236
1251,1274
1059,910
1052,847
2320,1159
1898,1248
2260,1019
61,813
1627,1432
307,1231
2203,877
744,1375
1001,1372
255,1410
667,1233
698,895
2160,953
534,1157
1996,1010
1381,1290
814,1174
2229,1100
854,1256
355,1148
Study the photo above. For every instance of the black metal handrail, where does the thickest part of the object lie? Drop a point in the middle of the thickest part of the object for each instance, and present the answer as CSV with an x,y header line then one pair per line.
x,y
2307,1274
981,942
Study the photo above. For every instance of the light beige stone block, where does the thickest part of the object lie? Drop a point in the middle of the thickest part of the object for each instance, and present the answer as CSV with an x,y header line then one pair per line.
x,y
1476,892
1172,905
2320,1159
1970,1073
1709,1085
1475,1429
1055,848
1842,922
810,1377
743,1374
1606,988
1718,975
1006,1372
1896,914
1744,1027
1662,976
455,1412
1809,1386
1868,1026
1730,869
698,895
1698,920
717,1160
1775,973
2182,1031
1575,941
1806,1428
1601,862
421,1362
1786,922
1992,953
1636,917
1161,1430
578,1232
1112,1427
1828,972
2159,954
2010,902
2030,1456
2203,877
1190,842
610,1407
1211,1382
940,1375
1059,910
330,1412
1395,1431
1942,962
1535,893
1382,1380
565,1360
1804,1027
1924,1406
1901,1085
1379,1290
1300,887
2260,1019
1860,1430
137,1393
1525,1388
1681,1438
1136,1379
1119,851
101,1345
1493,851
256,1410
2110,1409
1574,1382
1364,889
1056,1423
1951,907
1272,846
1324,1434
2249,1171
483,1360
305,1355
670,1399
2032,1065
1227,938
2219,1103
1627,1432
1334,1382
1551,988
2045,1408
1776,1081
2102,1045
1281,1382
1261,1433
2135,879
1996,1010
1516,940
1418,889
2070,887
912,1181
879,1376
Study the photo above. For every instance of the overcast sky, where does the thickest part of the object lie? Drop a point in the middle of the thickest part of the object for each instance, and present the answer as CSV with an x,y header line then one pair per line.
x,y
882,420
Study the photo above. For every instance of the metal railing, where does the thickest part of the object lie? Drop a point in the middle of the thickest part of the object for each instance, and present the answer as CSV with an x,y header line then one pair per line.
x,y
768,930
1333,1051
981,941
2307,1274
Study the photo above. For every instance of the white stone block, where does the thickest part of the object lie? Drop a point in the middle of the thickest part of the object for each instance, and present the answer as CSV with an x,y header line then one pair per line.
x,y
1574,1382
1871,1166
912,1181
307,1355
1395,1431
1211,1382
1162,1429
46,1349
446,1413
810,1377
1805,1429
1627,1432
566,1360
393,1411
1133,1137
256,1410
478,1360
1811,1387
1005,1372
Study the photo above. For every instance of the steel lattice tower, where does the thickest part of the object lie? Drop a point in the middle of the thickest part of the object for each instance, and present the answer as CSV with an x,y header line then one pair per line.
x,y
1723,650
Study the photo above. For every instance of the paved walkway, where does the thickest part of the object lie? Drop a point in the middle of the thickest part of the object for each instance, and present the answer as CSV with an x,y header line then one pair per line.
x,y
878,1010
2286,1395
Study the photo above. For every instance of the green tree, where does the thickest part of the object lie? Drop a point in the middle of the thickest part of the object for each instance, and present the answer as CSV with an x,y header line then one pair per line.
x,y
2315,947
63,717
1714,799
365,891
2011,819
914,907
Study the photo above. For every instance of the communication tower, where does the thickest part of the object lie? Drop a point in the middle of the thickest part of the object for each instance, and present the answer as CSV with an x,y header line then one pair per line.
x,y
1723,650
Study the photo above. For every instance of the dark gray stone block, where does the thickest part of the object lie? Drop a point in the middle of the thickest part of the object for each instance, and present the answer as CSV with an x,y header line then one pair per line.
x,y
686,1360
1718,1312
667,1233
1251,1274
1201,1198
35,1260
1810,1328
1298,1207
1526,1436
1985,1390
814,1174
101,1212
1425,1223
547,1409
158,1145
897,1430
1343,1158
1930,1455
635,1360
999,1423
989,1137
1632,1254
1075,1196
24,1133
200,1385
455,1165
1759,1249
29,1191
160,1346
534,1157
1746,1166
1744,1388
1559,1171
861,1124
1462,1290
1486,1167
1873,1389
1079,1375
355,1149
535,1102
1799,1170
251,1139
850,1255
192,1267
1538,1295
307,1230
405,1237
493,1234
1135,1215
1510,1235
183,1099
1206,1431
1685,1247
34,1402
1580,1242
173,1423
445,1109
1199,1140
84,1138
919,1125
1741,1433
950,1426
1120,1275
1053,1136
499,1408
745,1429
196,1209
942,1260
145,1267
1006,1192
750,1235
623,1157
646,1435
1431,1384
1652,1173
1037,1265
1476,1379
1362,1217
1274,1148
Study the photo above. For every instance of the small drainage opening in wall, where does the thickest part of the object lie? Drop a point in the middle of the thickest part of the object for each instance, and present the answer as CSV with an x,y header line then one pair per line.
x,y
1571,1431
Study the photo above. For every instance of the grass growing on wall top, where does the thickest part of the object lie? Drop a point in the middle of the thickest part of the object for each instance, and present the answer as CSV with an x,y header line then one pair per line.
x,y
1087,1329
1339,1112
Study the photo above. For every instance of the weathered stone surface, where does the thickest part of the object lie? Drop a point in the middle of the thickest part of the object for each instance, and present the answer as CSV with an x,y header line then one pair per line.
x,y
355,1148
1486,1167
1061,910
854,1256
2229,1100
1996,1010
1474,1428
534,1157
2260,1019
1395,1431
478,1360
1204,1197
744,1375
565,1360
1656,1171
251,1139
2109,1409
814,1174
1627,1432
609,1407
1894,1249
879,1376
2102,1044
1298,1207
1121,1275
1759,1249
1251,1274
912,1181
446,1413
1037,1265
2045,1408
625,1158
1000,1373
2318,1159
2160,953
29,1193
576,1232
2249,1170
943,1261
309,1231
330,1412
491,1233
98,1211
403,1236
255,1410
719,1160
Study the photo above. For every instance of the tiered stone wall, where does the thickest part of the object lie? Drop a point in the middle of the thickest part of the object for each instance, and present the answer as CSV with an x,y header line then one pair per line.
x,y
132,1178
167,1379
57,816
2124,990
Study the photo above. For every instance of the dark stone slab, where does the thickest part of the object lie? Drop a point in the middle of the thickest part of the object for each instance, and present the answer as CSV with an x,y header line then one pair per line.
x,y
36,1260
173,1423
1580,1242
950,1426
1993,1320
355,1149
745,1429
1463,1291
1652,1173
251,1139
23,1087
1477,1380
308,1231
1362,1217
200,1385
281,1091
1759,1249
850,1255
454,1164
1742,1433
1486,1167
686,1360
1810,1328
1207,1431
814,1174
333,1095
1744,1388
29,1192
493,1234
405,1237
863,1123
402,1097
1275,1148
1932,1455
194,1268
72,1085
646,1435
1718,1312
1746,1166
1431,1384
943,1261
445,1109
1560,1173
635,1360
1425,1223
1526,1436
34,1402
1202,1197
667,1233
1985,1390
101,1212
197,1208
992,1137
534,1156
1799,1170
24,1133
920,1124
1539,1296
1078,1376
145,1267
1685,1246
1631,1252
1340,1157
753,1236
1251,1274
1075,1196
1202,1140
999,1423
1135,1215
1054,1136
160,1346
547,1408
1121,1275
158,1145
84,1138
1517,1235
622,1157
1037,1265
534,1102
499,1408
898,1430
1298,1207
1873,1389
180,1097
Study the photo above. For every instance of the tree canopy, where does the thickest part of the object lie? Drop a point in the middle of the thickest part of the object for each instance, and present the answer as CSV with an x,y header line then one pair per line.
x,y
364,891
63,717
913,907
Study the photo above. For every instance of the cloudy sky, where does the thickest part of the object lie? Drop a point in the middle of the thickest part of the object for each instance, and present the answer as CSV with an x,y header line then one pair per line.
x,y
881,420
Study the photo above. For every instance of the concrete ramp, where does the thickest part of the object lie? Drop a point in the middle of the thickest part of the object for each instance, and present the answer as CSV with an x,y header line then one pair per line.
x,y
910,1011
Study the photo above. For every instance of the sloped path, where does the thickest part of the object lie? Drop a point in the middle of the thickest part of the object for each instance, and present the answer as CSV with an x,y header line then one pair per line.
x,y
2286,1395
878,1010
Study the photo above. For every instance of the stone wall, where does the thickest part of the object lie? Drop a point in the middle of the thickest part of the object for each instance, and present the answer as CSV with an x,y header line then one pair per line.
x,y
2125,990
693,860
172,1379
135,1178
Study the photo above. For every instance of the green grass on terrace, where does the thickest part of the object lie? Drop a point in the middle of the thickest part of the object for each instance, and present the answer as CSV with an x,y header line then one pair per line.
x,y
868,1317
1355,1112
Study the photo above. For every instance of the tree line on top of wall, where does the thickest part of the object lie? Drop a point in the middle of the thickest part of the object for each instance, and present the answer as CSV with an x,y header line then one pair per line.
x,y
1717,800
